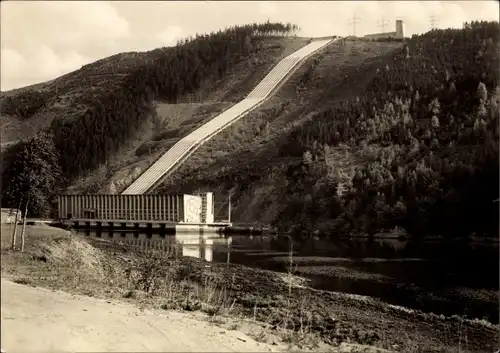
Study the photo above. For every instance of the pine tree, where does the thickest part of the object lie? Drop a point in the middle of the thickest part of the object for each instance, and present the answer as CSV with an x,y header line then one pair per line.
x,y
482,93
435,122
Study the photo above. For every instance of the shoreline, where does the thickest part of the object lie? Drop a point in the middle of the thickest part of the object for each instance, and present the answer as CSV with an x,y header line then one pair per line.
x,y
481,303
266,231
279,300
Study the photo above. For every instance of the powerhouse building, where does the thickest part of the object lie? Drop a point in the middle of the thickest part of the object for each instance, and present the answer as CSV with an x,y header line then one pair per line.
x,y
398,33
180,208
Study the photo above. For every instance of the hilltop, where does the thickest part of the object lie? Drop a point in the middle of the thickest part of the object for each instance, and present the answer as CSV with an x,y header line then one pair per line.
x,y
28,110
239,159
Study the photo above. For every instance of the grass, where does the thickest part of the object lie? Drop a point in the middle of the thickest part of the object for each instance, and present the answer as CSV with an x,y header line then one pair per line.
x,y
268,306
61,260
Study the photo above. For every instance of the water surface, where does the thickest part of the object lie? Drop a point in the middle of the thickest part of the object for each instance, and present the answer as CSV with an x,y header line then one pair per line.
x,y
444,278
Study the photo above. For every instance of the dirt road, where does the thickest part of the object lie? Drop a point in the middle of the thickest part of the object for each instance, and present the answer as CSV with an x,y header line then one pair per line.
x,y
40,320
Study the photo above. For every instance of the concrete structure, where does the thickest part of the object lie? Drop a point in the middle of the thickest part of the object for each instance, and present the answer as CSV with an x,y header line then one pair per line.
x,y
398,33
179,152
179,213
9,215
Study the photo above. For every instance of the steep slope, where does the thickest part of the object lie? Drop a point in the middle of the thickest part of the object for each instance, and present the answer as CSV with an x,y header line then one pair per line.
x,y
340,57
95,114
232,160
179,152
170,122
364,146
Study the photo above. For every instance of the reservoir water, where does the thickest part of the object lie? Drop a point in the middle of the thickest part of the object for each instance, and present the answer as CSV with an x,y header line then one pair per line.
x,y
455,278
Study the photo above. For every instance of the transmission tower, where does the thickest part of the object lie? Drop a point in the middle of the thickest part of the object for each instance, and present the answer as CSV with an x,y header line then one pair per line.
x,y
383,23
433,21
352,22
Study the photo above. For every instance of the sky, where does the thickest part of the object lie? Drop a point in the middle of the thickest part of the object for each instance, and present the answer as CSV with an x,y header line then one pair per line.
x,y
41,40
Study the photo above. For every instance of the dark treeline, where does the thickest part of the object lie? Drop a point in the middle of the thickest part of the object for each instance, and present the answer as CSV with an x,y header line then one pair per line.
x,y
83,143
427,130
24,104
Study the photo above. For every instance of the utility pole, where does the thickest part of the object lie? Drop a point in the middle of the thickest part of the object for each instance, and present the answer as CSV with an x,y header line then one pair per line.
x,y
383,23
433,21
352,22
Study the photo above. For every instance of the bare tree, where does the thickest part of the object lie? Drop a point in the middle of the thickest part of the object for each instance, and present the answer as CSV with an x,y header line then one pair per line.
x,y
24,224
15,227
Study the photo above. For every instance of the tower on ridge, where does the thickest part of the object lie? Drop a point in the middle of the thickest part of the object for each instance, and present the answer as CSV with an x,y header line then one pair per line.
x,y
400,30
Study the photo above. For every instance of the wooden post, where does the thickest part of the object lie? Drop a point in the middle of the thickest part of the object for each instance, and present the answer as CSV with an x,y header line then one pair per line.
x,y
10,223
24,224
15,227
290,271
229,209
228,255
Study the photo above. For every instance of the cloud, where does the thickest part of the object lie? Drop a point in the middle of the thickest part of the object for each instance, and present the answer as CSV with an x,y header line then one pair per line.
x,y
62,24
12,61
50,38
57,64
268,8
169,36
17,71
42,39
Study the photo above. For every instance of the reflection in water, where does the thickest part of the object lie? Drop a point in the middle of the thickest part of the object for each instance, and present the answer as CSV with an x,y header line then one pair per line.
x,y
200,246
405,273
430,263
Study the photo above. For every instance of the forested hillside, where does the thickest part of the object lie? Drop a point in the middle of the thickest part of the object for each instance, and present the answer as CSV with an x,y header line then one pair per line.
x,y
415,149
99,124
428,130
